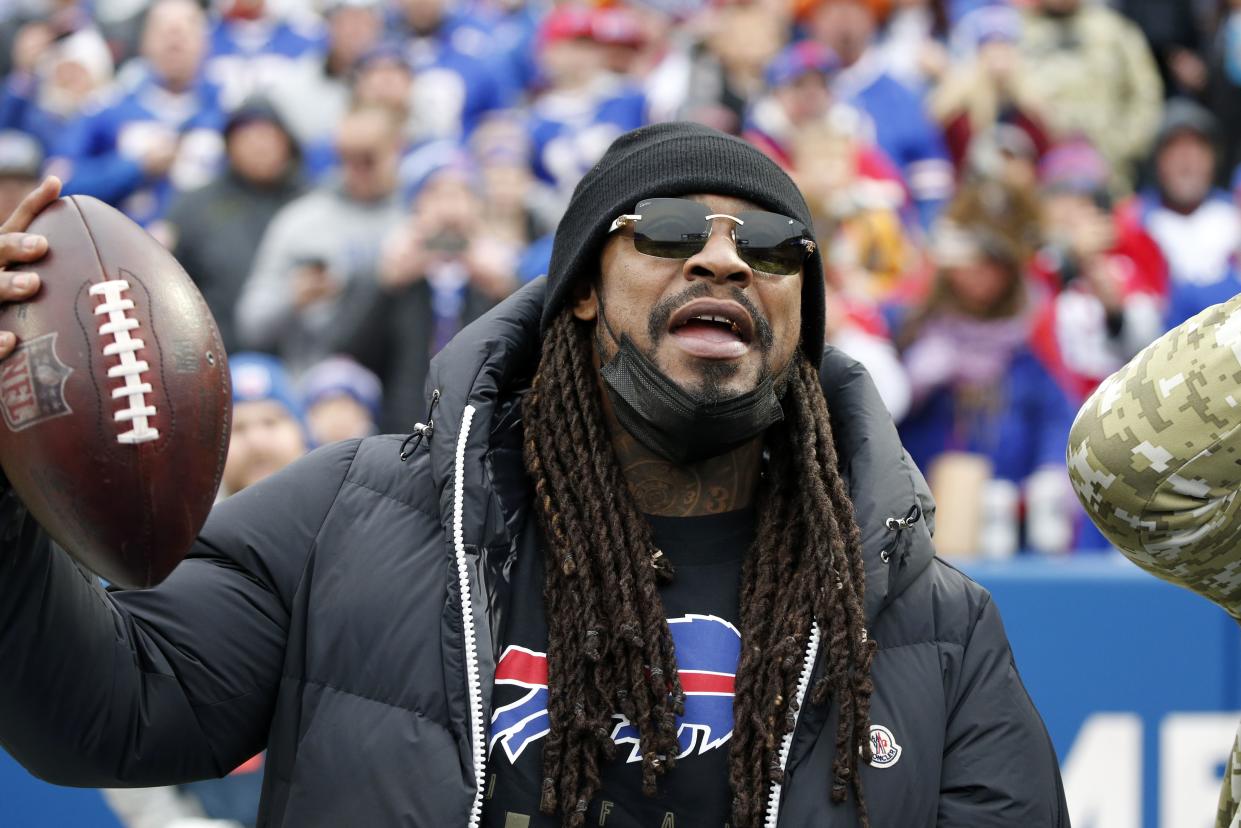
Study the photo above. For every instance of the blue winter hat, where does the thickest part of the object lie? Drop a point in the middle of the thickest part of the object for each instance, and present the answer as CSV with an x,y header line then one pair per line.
x,y
802,58
986,24
340,375
262,377
387,50
433,159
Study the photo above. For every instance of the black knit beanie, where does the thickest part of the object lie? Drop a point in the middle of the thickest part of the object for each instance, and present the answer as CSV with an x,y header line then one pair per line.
x,y
676,159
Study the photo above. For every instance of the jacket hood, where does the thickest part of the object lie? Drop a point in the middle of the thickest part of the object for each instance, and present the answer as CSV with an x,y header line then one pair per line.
x,y
494,358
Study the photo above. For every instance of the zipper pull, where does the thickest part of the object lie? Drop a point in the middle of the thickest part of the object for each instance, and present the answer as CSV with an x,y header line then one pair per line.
x,y
421,430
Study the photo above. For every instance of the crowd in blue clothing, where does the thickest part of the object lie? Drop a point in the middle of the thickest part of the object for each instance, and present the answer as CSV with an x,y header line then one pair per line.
x,y
1004,224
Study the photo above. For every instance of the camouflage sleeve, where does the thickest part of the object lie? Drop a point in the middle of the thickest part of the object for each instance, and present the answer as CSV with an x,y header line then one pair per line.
x,y
1228,815
1155,456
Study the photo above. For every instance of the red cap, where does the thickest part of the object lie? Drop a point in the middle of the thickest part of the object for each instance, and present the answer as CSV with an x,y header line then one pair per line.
x,y
566,23
616,26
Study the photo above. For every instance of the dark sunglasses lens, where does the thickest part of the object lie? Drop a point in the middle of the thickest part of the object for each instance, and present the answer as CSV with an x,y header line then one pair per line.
x,y
771,242
671,228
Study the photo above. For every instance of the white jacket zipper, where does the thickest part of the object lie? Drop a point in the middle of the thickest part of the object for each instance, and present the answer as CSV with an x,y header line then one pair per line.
x,y
474,688
803,685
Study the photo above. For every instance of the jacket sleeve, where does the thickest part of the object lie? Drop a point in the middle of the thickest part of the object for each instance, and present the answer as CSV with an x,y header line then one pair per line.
x,y
164,685
999,765
1153,456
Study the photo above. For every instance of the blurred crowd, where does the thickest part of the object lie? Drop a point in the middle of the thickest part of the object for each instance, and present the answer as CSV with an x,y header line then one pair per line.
x,y
1013,197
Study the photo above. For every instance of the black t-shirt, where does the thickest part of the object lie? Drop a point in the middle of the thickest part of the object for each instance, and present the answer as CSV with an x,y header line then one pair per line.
x,y
702,605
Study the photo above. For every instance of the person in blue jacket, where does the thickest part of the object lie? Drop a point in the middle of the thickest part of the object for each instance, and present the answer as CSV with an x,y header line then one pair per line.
x,y
461,76
252,50
583,106
163,136
902,127
68,77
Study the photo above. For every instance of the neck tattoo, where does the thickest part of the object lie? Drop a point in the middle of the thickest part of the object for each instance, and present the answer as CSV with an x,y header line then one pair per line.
x,y
711,487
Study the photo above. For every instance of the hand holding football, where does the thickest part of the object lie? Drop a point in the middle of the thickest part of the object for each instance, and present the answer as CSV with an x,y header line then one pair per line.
x,y
115,401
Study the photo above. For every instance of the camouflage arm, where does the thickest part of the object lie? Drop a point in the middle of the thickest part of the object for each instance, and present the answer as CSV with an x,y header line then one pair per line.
x,y
1227,815
1155,456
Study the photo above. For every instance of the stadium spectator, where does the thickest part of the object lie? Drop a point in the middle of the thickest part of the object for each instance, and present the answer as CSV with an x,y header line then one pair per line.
x,y
514,207
856,198
1004,153
51,86
1197,226
314,95
1174,32
1107,277
1223,93
383,77
342,400
28,27
269,430
441,269
21,160
460,78
990,86
912,42
1095,65
159,138
584,105
857,329
254,48
321,242
716,83
513,26
798,83
620,31
980,397
902,127
216,230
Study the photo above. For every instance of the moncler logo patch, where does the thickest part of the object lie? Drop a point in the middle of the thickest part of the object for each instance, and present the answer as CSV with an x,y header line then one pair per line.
x,y
884,747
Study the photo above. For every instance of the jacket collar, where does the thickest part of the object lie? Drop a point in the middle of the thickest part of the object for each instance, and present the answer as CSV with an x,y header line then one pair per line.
x,y
891,501
491,357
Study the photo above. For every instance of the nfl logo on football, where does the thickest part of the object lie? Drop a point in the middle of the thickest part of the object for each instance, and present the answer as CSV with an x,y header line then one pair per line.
x,y
884,747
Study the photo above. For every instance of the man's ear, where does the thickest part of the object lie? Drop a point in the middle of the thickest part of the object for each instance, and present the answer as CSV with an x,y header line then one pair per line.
x,y
585,301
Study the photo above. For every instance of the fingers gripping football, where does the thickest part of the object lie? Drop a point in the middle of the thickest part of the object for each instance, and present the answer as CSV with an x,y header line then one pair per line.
x,y
19,247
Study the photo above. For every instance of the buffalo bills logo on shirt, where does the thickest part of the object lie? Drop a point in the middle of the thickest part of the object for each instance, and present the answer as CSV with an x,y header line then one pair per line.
x,y
707,650
518,724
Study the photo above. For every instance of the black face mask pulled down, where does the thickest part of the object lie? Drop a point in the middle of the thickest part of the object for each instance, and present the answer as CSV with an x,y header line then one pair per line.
x,y
679,426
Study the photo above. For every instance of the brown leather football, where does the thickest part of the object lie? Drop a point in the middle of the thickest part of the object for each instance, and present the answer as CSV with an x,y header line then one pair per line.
x,y
116,402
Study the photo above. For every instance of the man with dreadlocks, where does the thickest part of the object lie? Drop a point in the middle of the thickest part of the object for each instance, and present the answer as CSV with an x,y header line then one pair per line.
x,y
635,570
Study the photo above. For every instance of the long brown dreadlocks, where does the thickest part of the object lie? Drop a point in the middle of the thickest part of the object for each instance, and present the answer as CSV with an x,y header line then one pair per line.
x,y
610,649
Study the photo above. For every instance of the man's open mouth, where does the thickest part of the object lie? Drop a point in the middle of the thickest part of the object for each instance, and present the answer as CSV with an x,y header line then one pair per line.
x,y
713,320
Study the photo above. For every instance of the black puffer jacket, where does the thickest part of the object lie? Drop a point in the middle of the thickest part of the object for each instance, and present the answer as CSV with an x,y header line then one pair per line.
x,y
320,616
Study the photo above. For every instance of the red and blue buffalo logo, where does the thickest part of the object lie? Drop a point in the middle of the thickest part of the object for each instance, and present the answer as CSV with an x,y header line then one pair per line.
x,y
707,650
